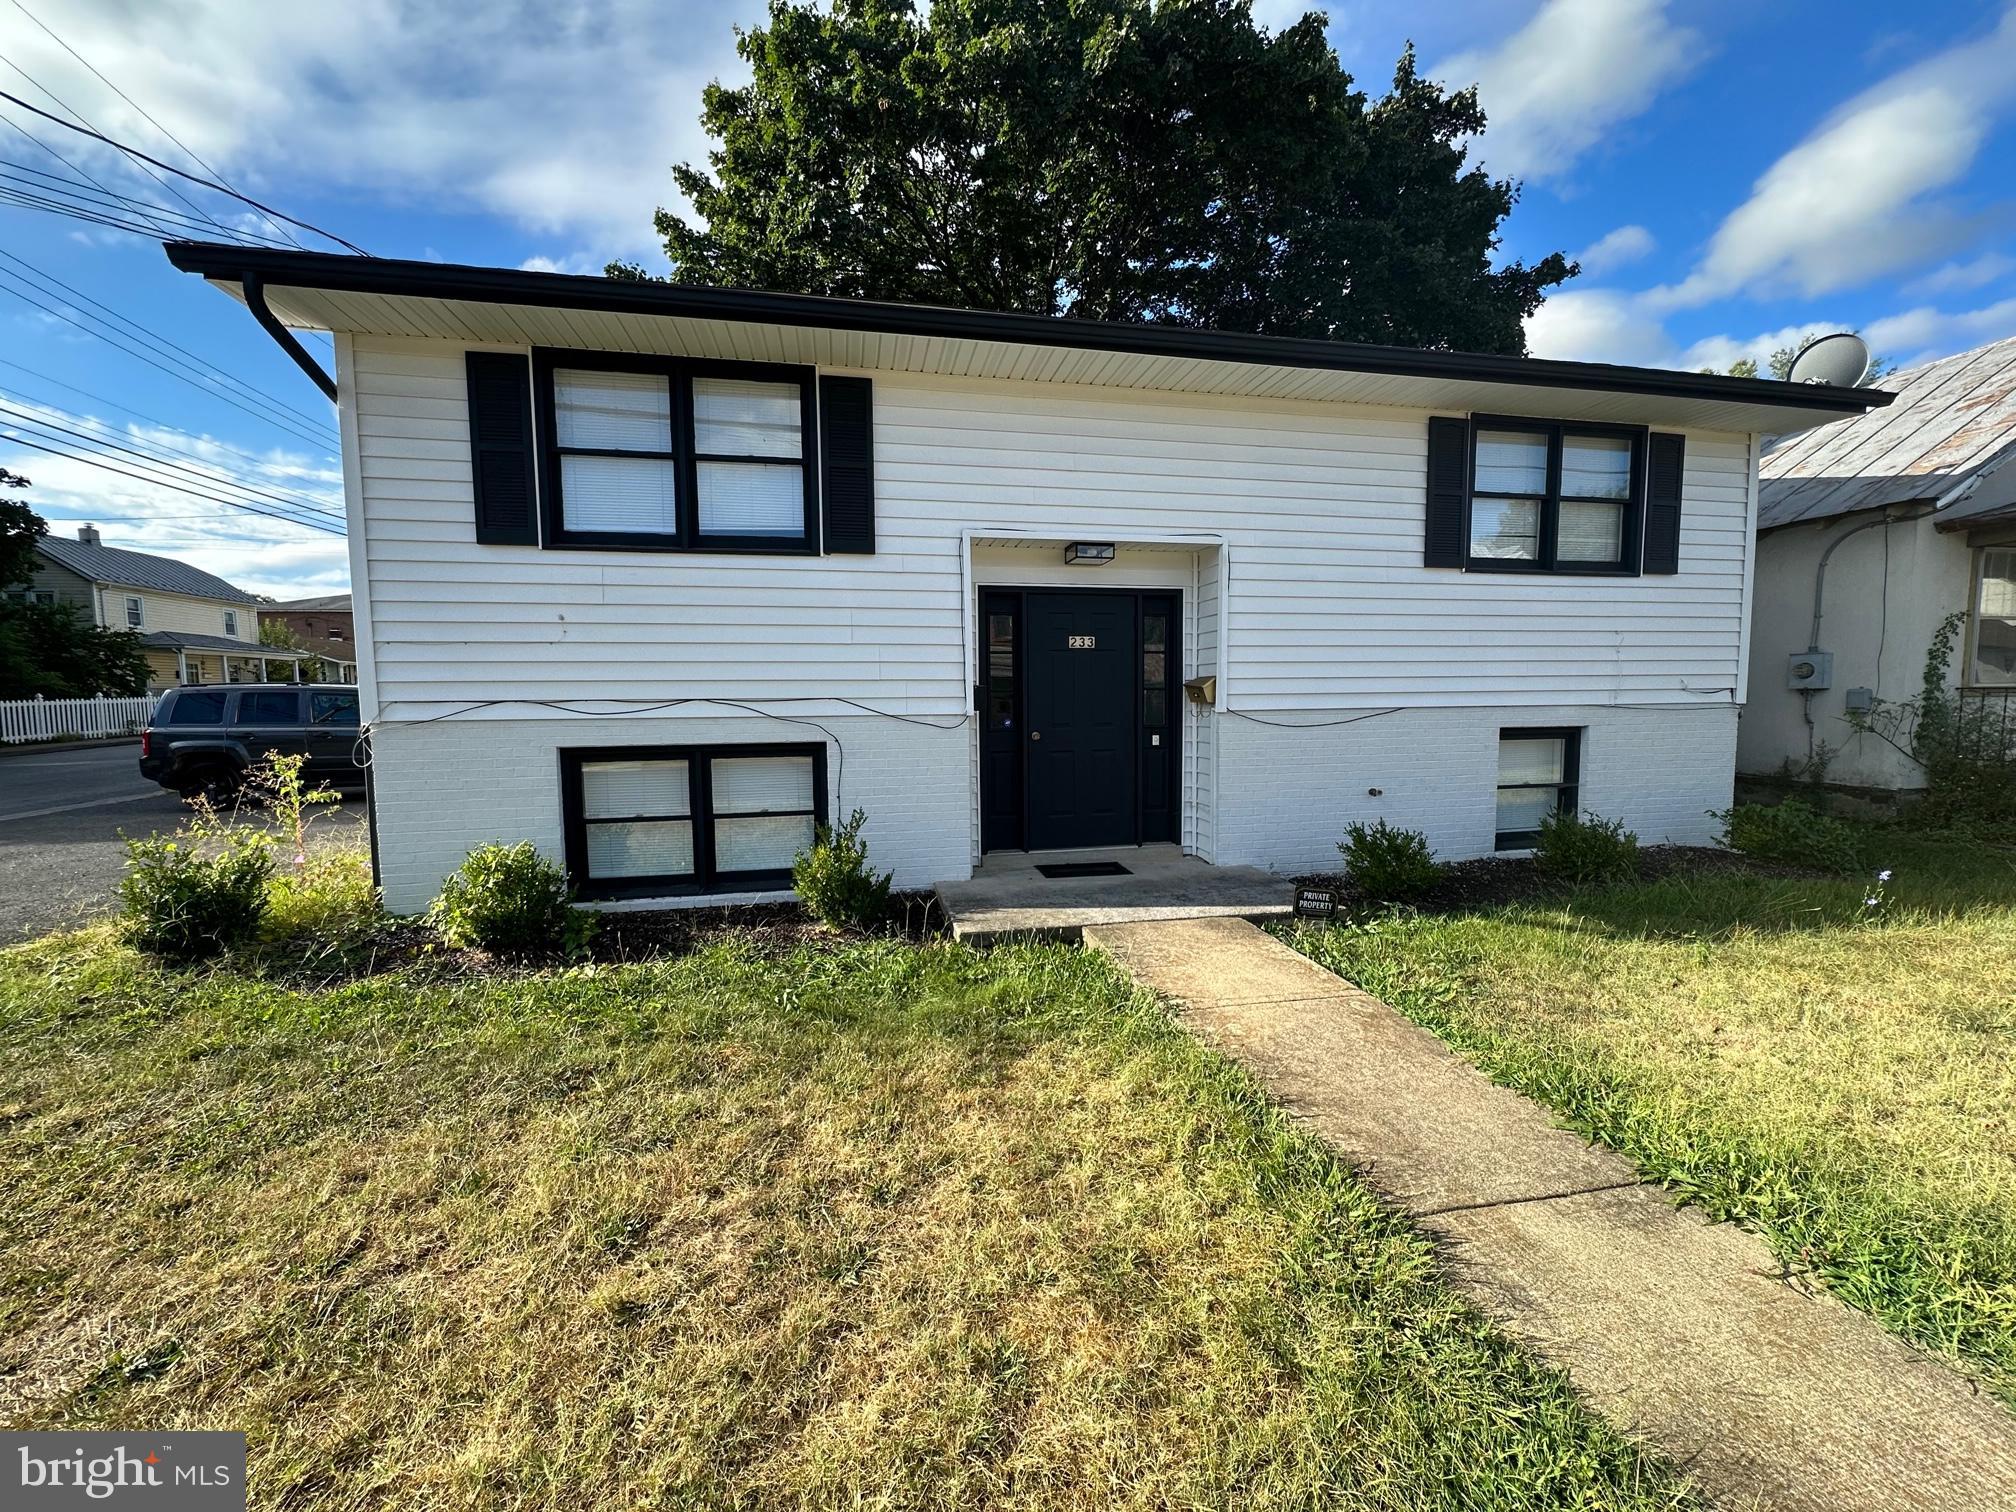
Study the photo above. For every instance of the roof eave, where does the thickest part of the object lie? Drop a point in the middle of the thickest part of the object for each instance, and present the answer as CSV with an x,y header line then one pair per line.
x,y
392,277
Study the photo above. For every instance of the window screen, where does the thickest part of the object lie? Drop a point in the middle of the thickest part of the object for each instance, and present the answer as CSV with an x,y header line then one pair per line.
x,y
136,613
1537,776
638,818
614,432
763,814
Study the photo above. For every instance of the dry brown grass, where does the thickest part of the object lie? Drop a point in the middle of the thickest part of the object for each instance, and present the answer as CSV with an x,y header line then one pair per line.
x,y
870,1226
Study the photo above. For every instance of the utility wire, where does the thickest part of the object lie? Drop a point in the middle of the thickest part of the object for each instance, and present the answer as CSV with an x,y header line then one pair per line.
x,y
164,456
206,388
63,104
52,191
135,152
66,162
153,482
128,409
160,341
194,156
177,476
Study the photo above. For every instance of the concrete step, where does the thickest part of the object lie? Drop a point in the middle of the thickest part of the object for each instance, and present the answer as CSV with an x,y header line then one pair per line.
x,y
1007,898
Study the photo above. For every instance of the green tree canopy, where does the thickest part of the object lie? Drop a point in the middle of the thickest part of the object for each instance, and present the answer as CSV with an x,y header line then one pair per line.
x,y
20,529
1110,159
53,650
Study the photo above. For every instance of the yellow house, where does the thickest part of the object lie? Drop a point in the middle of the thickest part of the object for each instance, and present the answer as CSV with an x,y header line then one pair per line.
x,y
197,628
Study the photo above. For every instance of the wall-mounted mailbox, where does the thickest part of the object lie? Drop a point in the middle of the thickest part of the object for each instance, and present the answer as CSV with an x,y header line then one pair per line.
x,y
1202,690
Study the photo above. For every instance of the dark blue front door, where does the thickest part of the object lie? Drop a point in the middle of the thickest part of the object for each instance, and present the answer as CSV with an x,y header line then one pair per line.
x,y
1084,669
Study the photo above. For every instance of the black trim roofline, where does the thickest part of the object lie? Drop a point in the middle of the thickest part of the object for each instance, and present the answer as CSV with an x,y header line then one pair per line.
x,y
510,286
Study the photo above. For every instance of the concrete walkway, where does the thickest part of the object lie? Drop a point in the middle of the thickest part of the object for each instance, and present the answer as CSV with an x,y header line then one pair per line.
x,y
1008,896
1673,1327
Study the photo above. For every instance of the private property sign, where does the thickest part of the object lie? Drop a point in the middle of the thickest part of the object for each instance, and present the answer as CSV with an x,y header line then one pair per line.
x,y
1316,902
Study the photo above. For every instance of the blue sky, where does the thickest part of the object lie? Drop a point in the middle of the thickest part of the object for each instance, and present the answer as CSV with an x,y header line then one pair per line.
x,y
1731,175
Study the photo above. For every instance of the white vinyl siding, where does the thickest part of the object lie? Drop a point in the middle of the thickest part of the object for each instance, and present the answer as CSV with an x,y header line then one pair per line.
x,y
1320,506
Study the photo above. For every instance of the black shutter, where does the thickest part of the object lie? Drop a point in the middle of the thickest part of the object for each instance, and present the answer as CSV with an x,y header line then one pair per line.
x,y
1447,540
847,463
1666,464
500,448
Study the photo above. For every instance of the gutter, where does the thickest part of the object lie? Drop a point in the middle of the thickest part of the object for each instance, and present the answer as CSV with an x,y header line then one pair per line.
x,y
329,271
255,301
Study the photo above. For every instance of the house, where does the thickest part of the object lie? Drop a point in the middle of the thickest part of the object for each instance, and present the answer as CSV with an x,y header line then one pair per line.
x,y
196,627
324,626
1872,530
659,576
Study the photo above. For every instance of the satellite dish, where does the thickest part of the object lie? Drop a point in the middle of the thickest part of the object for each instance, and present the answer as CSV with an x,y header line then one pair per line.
x,y
1841,360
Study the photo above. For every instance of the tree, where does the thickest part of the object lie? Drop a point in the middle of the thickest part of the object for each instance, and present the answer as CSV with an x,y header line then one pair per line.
x,y
1780,363
278,634
1109,159
53,650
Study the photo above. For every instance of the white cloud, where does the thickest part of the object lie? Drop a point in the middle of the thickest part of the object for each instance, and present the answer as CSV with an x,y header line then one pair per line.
x,y
1565,80
259,554
573,262
1919,335
563,118
1720,352
1597,325
1856,199
1625,245
1961,277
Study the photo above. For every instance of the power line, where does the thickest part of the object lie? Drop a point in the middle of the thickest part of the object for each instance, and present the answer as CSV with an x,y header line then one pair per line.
x,y
135,152
198,381
127,409
165,456
197,493
63,104
194,156
57,191
66,162
176,472
159,341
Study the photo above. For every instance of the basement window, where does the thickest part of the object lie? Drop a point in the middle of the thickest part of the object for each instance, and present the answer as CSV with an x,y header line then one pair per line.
x,y
655,454
652,821
1538,774
1552,498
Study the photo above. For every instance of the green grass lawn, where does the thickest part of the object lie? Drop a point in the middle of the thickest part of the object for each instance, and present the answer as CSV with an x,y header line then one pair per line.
x,y
873,1225
1841,1079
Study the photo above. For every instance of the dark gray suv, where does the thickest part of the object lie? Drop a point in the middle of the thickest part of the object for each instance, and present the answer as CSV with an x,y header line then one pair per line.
x,y
204,739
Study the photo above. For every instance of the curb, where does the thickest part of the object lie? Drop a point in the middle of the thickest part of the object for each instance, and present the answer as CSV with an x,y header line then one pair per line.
x,y
43,747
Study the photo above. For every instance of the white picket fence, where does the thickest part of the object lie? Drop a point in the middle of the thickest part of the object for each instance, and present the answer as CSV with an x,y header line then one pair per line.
x,y
25,719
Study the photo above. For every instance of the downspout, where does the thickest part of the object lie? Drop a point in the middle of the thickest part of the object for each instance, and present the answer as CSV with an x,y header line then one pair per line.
x,y
255,301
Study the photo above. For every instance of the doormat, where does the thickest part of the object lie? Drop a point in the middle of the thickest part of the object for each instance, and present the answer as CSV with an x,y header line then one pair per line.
x,y
1085,869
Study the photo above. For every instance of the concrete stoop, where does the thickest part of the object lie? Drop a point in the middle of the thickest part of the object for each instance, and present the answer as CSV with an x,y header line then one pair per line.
x,y
1008,897
1675,1328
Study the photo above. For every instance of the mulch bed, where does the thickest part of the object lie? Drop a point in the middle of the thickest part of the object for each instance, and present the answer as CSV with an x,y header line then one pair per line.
x,y
652,934
1492,881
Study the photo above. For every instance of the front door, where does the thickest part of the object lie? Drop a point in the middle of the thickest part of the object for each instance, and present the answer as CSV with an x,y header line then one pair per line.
x,y
1083,675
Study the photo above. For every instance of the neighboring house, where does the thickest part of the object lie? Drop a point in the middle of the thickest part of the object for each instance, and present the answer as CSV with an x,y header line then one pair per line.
x,y
196,627
324,626
1872,531
657,577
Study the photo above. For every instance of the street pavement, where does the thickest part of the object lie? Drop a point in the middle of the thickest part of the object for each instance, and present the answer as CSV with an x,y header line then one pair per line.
x,y
62,813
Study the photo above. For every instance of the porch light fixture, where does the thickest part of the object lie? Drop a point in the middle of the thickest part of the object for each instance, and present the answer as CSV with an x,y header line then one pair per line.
x,y
1089,553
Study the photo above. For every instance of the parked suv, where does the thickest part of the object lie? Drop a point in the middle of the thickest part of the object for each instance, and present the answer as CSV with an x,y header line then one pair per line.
x,y
204,739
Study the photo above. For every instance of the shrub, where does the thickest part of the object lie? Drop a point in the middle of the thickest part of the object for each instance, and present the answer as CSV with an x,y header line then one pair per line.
x,y
1583,848
1389,865
834,881
1794,833
184,904
323,902
510,900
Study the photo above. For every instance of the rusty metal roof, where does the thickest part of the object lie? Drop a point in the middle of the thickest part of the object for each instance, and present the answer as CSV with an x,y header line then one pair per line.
x,y
1944,442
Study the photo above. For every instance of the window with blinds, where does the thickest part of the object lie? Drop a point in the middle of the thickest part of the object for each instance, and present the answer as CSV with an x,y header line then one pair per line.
x,y
1546,497
651,821
658,454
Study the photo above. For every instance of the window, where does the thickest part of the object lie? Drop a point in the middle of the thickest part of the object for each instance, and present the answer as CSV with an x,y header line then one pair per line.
x,y
1548,498
1154,673
652,454
136,612
231,623
1538,771
269,706
204,708
332,708
1993,662
654,820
